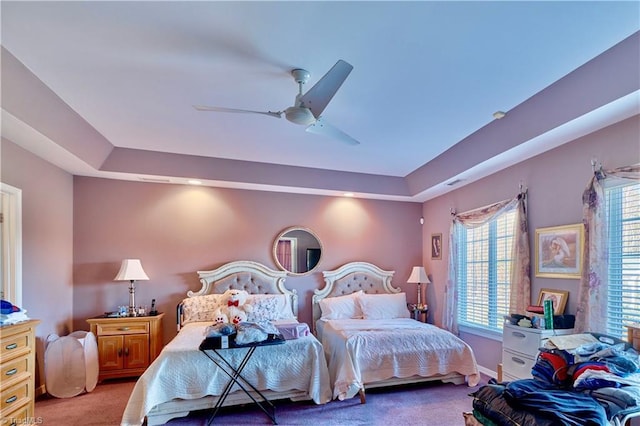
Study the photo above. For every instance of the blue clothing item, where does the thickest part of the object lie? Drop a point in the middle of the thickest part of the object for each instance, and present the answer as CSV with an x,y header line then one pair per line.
x,y
573,409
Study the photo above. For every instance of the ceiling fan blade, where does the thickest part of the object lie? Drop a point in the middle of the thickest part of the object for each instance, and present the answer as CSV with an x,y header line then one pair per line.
x,y
317,98
321,127
277,114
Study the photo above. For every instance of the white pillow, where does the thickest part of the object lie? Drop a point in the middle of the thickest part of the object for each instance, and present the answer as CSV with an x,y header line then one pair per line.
x,y
200,308
384,306
269,307
341,307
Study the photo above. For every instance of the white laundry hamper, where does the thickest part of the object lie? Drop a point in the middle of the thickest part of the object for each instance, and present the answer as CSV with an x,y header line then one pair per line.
x,y
71,364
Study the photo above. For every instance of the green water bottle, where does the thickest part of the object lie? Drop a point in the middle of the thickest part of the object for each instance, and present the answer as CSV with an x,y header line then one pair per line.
x,y
548,314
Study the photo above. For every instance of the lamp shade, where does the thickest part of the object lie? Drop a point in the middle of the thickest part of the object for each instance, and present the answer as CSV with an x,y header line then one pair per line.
x,y
131,270
418,275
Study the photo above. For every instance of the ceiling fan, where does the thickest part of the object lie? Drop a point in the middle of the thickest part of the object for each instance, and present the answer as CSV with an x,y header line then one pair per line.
x,y
309,106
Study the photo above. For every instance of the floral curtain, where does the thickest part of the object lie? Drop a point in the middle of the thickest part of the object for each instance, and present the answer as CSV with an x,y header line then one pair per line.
x,y
591,314
520,272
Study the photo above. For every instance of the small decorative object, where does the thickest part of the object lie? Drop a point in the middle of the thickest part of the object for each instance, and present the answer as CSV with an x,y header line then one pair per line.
x,y
234,308
558,299
131,270
525,322
436,246
558,251
153,310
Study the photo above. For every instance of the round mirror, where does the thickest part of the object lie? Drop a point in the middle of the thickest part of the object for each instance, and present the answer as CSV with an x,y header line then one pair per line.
x,y
297,250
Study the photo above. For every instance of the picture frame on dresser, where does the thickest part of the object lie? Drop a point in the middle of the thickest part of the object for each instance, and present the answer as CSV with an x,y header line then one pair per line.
x,y
558,297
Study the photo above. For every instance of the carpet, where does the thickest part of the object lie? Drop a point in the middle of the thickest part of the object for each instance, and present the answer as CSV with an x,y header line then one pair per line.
x,y
422,404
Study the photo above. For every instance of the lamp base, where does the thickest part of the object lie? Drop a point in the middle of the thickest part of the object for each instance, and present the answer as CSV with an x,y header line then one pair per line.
x,y
132,299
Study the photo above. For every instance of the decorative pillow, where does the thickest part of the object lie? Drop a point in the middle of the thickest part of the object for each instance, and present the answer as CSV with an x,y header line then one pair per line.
x,y
341,307
269,307
384,306
200,308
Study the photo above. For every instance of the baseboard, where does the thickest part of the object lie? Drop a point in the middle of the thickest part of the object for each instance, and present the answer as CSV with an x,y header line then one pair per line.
x,y
40,390
488,372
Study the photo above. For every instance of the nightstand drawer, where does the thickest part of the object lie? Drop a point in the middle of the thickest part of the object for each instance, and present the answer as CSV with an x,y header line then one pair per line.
x,y
522,339
107,329
515,364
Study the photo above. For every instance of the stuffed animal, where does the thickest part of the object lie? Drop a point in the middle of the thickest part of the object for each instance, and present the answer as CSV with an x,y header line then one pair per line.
x,y
233,307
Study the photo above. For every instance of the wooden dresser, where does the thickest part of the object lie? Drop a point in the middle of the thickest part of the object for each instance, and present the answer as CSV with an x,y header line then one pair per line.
x,y
126,345
17,369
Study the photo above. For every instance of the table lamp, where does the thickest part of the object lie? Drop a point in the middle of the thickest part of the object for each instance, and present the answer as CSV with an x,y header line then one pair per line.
x,y
131,270
419,276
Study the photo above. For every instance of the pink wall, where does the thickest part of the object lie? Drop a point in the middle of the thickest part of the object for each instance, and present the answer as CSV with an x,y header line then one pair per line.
x,y
556,180
177,230
47,251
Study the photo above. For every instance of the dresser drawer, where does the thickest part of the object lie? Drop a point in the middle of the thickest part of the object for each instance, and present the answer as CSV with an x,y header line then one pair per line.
x,y
108,329
14,370
19,417
522,339
15,396
517,365
14,345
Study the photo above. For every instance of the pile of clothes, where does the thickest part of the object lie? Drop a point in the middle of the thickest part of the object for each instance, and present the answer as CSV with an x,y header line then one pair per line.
x,y
586,386
11,314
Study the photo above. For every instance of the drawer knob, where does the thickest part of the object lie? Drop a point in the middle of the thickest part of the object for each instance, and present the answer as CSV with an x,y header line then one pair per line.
x,y
517,360
124,328
11,372
11,399
11,346
518,335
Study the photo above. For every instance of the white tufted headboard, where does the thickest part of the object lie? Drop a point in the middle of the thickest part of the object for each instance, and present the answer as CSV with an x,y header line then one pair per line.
x,y
253,277
352,277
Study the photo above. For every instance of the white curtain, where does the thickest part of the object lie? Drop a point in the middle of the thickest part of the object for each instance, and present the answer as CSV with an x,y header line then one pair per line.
x,y
591,314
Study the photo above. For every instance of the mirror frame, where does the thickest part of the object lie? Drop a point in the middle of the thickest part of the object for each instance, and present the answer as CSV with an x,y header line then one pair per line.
x,y
282,234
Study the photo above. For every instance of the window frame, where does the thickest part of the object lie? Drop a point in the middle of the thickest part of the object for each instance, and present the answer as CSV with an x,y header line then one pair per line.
x,y
493,262
616,320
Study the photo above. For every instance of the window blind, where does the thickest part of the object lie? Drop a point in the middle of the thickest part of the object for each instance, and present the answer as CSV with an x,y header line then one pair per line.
x,y
484,272
623,220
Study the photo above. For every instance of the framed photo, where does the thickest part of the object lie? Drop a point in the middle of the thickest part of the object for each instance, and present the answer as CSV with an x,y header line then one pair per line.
x,y
436,246
559,298
559,251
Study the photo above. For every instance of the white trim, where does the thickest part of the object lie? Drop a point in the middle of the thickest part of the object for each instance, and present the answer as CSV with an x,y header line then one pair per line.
x,y
11,208
482,332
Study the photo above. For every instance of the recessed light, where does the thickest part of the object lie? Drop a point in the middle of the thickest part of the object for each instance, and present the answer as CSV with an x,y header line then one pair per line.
x,y
194,182
499,114
348,194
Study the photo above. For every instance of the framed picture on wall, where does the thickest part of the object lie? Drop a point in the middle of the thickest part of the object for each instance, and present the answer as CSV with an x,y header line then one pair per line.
x,y
436,246
559,251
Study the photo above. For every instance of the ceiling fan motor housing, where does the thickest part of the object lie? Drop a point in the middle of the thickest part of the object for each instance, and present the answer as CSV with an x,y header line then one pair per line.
x,y
299,115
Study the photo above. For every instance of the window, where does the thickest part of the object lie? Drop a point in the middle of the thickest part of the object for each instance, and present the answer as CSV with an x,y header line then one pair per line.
x,y
484,272
11,244
623,221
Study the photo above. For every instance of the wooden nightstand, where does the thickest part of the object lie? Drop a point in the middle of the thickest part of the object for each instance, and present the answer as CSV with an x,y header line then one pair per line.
x,y
418,312
17,366
126,345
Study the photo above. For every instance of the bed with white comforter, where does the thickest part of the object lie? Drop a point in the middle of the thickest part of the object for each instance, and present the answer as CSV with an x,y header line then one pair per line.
x,y
367,351
370,341
183,379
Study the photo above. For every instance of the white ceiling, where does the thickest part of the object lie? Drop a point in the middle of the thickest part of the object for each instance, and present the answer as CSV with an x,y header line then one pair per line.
x,y
426,74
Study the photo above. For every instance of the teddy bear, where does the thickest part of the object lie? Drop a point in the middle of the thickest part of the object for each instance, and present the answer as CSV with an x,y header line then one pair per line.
x,y
233,308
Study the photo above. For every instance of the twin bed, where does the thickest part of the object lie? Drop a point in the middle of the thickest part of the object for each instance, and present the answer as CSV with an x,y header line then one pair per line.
x,y
369,340
365,339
